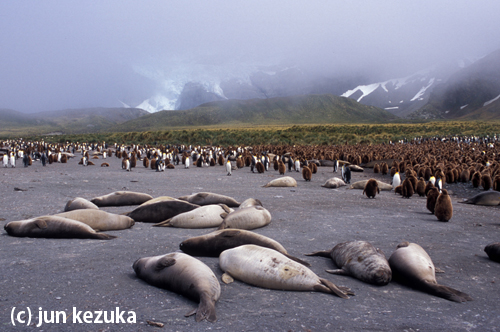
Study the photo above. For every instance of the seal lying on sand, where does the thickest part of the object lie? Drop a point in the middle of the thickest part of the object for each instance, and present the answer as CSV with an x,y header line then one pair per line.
x,y
214,243
160,210
79,203
267,268
248,218
210,198
203,217
489,198
121,198
411,265
359,259
285,181
334,183
99,220
185,275
53,227
493,251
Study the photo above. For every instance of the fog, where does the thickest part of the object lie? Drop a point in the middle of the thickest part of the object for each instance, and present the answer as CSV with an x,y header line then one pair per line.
x,y
75,54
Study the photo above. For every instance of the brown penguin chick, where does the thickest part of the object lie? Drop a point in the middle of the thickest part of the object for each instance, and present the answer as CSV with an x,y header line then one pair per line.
x,y
281,167
104,165
376,168
486,181
465,176
413,181
427,173
398,189
476,179
313,167
306,173
170,166
428,187
496,183
407,190
275,165
384,169
450,176
443,209
145,162
153,163
371,188
432,196
260,167
420,189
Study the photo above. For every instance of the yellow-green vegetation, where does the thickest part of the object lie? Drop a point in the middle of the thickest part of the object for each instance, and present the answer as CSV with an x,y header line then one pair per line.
x,y
291,135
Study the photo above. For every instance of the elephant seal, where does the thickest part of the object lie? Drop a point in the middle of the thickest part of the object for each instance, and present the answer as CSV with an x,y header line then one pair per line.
x,y
121,198
79,203
212,244
285,181
250,202
362,184
359,259
489,198
356,168
267,268
334,183
493,251
99,220
184,275
210,198
203,217
53,227
160,210
410,264
248,218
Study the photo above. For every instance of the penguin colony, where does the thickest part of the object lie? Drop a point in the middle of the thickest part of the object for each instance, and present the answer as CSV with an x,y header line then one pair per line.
x,y
426,168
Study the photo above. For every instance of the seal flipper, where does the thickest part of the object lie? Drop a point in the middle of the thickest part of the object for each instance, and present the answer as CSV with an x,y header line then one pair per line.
x,y
298,260
223,224
164,262
103,236
40,223
165,223
445,292
339,272
205,310
225,208
322,253
226,278
330,288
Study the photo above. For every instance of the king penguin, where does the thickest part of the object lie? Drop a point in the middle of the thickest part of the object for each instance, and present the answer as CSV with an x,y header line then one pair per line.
x,y
228,167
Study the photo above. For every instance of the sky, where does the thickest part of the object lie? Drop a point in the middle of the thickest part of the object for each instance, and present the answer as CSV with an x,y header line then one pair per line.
x,y
77,54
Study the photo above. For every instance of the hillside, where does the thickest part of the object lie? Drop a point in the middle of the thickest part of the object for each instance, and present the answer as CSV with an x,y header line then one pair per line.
x,y
308,109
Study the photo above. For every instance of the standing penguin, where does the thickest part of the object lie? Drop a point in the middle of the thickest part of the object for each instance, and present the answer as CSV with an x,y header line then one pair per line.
x,y
407,189
5,160
439,184
335,166
346,174
371,188
281,168
187,162
420,189
228,167
443,210
432,196
306,173
297,165
12,159
396,180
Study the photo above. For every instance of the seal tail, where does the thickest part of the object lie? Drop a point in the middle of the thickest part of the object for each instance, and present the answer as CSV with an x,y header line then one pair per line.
x,y
298,260
330,288
446,292
165,223
103,236
205,310
322,253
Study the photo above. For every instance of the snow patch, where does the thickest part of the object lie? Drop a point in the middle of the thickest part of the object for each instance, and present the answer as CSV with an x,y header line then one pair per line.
x,y
365,89
491,101
423,89
392,108
462,107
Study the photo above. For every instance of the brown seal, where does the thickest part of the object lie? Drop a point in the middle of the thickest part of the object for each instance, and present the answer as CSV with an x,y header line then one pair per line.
x,y
493,251
361,260
78,204
121,198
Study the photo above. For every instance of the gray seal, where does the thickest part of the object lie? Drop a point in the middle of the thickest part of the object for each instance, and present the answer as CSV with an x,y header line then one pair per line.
x,y
78,204
489,198
204,198
411,265
160,210
121,198
185,275
361,260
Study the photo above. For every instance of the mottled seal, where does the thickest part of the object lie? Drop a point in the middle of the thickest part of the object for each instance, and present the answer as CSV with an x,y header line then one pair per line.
x,y
285,181
490,198
203,217
160,210
248,218
212,244
185,275
410,264
210,198
267,268
493,251
362,184
53,227
78,204
361,260
121,198
99,220
334,183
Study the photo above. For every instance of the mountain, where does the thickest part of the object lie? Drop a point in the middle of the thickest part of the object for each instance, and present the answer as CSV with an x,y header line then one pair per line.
x,y
305,109
467,94
73,121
